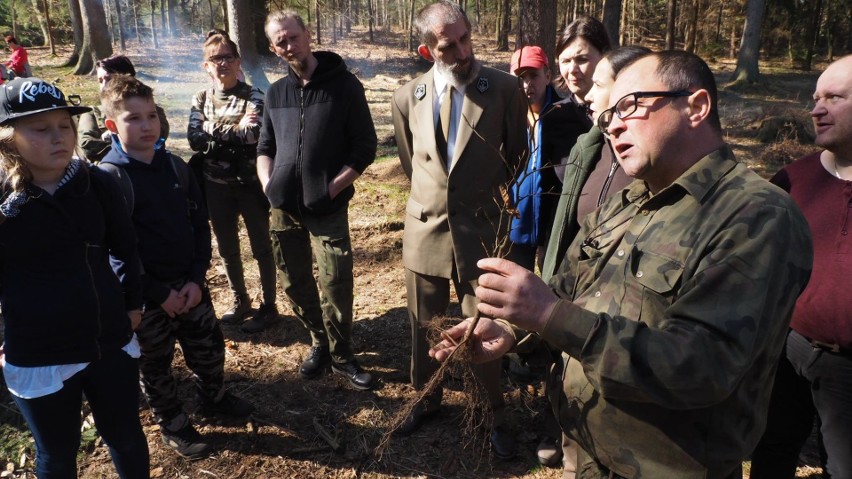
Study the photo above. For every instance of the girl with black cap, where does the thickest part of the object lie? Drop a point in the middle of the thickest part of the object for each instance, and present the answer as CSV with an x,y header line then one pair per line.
x,y
68,317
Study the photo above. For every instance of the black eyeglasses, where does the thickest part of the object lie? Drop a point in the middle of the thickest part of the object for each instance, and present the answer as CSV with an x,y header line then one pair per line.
x,y
222,59
629,103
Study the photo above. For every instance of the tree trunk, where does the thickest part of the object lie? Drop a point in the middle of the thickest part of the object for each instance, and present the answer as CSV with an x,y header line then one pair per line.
x,y
747,60
242,33
318,31
259,11
110,25
41,23
120,24
14,20
812,35
212,15
411,42
537,25
671,16
611,20
164,21
153,23
225,15
370,19
96,42
732,47
692,26
173,26
505,25
77,30
49,29
136,22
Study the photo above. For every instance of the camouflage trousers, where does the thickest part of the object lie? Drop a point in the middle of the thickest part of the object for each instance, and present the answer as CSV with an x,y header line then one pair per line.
x,y
203,348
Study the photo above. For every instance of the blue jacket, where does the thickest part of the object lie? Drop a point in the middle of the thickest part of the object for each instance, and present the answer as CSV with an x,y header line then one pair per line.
x,y
536,191
62,303
170,220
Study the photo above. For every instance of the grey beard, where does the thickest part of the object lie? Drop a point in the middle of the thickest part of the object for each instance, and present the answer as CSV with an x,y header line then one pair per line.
x,y
459,79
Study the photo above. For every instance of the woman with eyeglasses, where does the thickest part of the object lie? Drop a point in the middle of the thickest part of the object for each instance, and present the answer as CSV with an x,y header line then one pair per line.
x,y
224,126
92,134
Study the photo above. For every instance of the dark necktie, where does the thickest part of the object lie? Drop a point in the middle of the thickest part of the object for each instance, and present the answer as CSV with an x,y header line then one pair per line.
x,y
444,120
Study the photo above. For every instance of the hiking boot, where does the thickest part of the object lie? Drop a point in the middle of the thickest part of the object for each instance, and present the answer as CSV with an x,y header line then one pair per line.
x,y
503,444
318,358
358,378
229,405
265,315
186,441
240,308
549,452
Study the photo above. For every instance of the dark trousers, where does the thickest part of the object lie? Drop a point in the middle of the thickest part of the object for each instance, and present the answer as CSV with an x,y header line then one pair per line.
x,y
428,297
810,382
294,239
111,387
226,203
203,348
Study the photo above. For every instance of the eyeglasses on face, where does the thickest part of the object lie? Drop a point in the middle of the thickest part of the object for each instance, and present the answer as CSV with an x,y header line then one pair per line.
x,y
222,59
629,103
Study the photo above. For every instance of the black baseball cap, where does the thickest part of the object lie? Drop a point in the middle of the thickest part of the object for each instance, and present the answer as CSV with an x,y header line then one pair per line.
x,y
28,96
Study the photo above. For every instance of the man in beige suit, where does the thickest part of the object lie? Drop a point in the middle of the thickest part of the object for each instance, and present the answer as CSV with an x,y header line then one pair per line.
x,y
460,130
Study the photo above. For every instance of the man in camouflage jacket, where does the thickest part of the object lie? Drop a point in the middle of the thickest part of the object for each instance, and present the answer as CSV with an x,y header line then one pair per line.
x,y
672,305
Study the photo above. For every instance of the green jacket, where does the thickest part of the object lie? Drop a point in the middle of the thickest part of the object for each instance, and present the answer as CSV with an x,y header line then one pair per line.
x,y
673,312
581,162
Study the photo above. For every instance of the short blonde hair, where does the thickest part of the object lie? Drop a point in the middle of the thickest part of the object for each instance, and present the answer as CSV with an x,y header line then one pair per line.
x,y
281,16
13,169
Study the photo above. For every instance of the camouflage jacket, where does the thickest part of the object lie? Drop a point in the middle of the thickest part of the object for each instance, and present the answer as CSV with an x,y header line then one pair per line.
x,y
673,311
214,129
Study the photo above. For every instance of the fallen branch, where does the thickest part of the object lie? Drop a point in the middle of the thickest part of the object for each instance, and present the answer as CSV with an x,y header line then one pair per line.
x,y
327,437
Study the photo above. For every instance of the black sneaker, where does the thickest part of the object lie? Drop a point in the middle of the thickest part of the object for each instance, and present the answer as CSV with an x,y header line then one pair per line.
x,y
186,441
265,315
240,308
317,360
229,405
359,378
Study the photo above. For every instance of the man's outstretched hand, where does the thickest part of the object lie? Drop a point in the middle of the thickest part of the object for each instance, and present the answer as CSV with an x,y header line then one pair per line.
x,y
490,340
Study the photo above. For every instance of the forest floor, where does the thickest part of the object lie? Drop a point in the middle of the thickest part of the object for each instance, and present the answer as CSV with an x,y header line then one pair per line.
x,y
283,440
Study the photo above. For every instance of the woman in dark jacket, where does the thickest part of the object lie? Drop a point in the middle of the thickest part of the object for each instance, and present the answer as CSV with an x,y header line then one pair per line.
x,y
68,317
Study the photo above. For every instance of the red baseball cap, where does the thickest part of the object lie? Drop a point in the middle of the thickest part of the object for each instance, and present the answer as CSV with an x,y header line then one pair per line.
x,y
529,56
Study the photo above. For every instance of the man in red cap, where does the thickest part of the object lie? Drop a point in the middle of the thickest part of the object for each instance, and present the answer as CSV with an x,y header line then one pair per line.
x,y
553,127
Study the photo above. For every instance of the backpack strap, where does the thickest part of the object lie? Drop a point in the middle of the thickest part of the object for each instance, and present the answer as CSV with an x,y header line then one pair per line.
x,y
123,181
181,171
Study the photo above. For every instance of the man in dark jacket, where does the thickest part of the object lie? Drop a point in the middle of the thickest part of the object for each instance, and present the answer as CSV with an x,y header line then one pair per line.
x,y
317,137
553,128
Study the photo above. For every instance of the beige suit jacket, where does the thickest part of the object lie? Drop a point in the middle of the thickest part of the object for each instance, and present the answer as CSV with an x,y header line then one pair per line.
x,y
456,215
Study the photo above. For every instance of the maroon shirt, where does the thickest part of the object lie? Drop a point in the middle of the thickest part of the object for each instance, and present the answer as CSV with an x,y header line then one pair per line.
x,y
824,310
